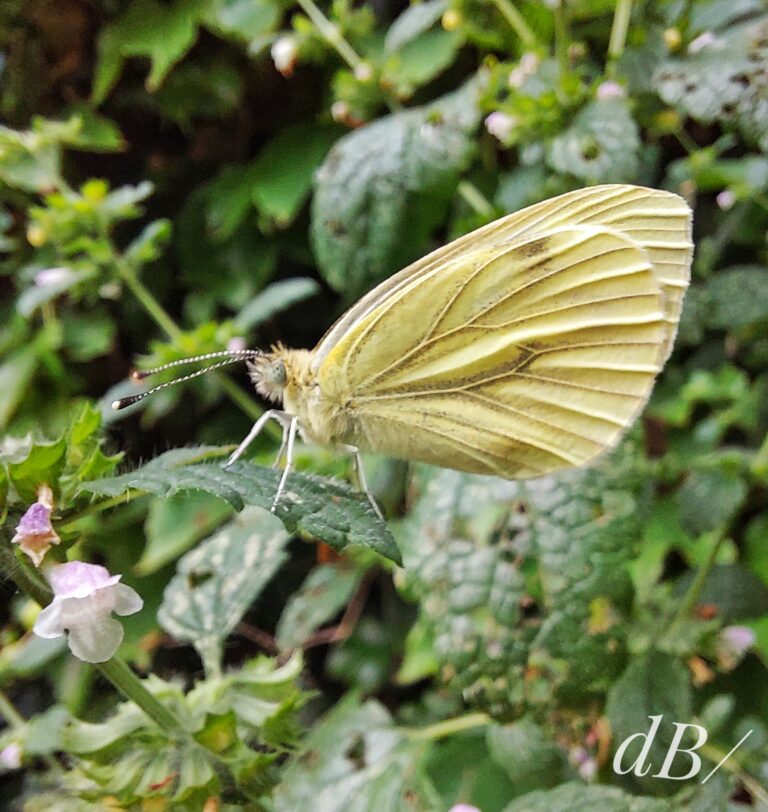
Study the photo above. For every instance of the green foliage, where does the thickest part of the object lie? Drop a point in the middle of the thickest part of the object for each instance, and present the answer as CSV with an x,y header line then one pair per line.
x,y
181,177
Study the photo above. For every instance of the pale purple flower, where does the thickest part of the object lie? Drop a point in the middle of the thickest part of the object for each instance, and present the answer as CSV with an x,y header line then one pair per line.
x,y
610,90
84,597
726,199
10,756
34,532
363,72
528,65
702,41
501,125
284,54
236,344
463,808
55,278
733,642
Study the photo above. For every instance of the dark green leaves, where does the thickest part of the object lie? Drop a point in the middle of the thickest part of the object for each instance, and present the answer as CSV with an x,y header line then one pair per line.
x,y
654,684
579,798
310,506
383,188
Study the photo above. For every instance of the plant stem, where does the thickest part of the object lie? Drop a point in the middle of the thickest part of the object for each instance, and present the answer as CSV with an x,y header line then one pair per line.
x,y
619,30
561,37
450,726
12,716
477,201
148,301
694,590
130,686
517,23
174,333
331,33
732,765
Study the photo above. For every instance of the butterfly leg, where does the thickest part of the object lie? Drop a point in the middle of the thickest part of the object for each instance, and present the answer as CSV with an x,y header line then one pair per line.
x,y
293,428
272,414
360,474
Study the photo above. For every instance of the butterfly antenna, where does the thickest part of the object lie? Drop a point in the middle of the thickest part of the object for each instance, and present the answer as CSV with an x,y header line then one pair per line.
x,y
230,357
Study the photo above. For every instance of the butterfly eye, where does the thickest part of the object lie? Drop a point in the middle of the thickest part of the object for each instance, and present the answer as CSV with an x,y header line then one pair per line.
x,y
277,374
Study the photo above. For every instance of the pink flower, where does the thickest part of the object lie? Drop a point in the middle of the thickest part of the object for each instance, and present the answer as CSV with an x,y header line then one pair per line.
x,y
501,125
10,756
726,199
34,532
463,808
733,642
610,90
84,597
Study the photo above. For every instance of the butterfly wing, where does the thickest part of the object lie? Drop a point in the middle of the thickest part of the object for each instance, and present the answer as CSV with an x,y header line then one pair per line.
x,y
514,360
659,221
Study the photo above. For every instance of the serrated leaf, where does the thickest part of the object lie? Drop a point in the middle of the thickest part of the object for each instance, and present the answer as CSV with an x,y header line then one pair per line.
x,y
326,590
383,188
723,80
531,759
576,797
354,760
43,464
311,506
578,528
415,20
653,684
274,298
736,297
602,145
217,581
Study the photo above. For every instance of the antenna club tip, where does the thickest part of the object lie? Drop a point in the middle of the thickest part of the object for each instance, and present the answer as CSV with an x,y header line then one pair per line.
x,y
137,375
116,404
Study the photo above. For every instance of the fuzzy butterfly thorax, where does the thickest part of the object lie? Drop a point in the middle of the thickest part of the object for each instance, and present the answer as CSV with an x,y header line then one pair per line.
x,y
285,376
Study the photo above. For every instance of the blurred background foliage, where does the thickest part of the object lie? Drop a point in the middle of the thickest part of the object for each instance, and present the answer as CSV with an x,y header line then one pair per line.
x,y
179,177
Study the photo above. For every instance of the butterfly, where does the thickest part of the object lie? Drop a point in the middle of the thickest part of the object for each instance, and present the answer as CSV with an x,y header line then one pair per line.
x,y
527,346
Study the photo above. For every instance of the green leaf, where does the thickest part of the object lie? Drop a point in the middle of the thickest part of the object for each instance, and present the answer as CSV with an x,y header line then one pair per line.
x,y
174,525
735,592
421,60
723,81
354,760
576,797
737,297
16,374
282,174
326,590
311,506
244,19
149,244
42,465
217,581
602,144
159,31
88,335
709,498
653,684
531,759
274,298
96,132
383,188
577,531
415,20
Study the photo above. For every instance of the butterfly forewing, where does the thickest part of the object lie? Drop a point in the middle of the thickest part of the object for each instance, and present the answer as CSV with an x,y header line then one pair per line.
x,y
660,222
513,359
